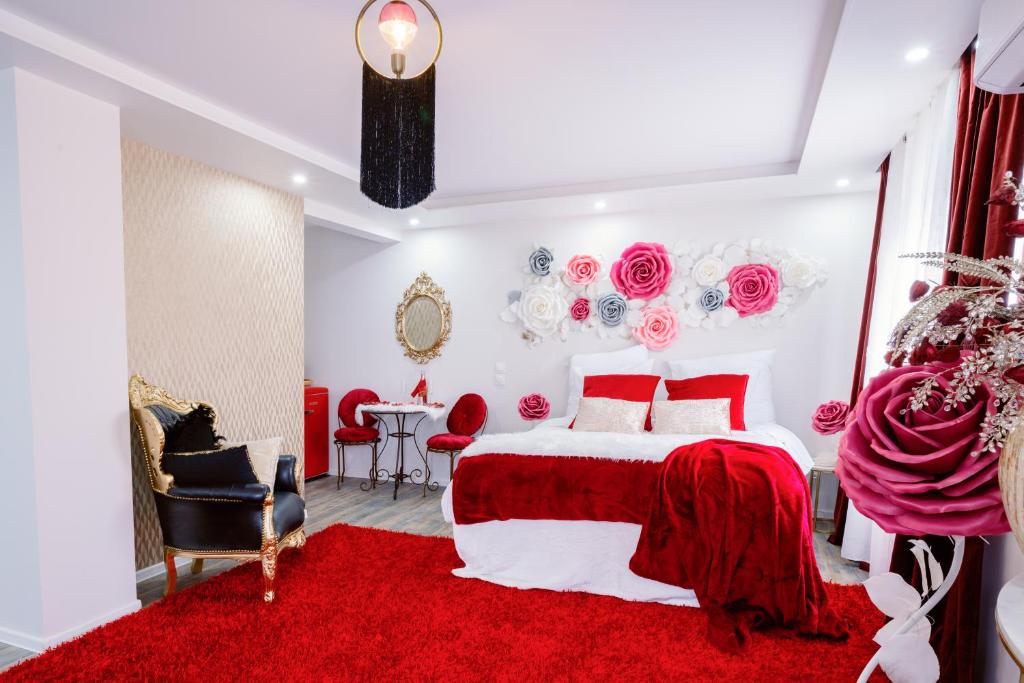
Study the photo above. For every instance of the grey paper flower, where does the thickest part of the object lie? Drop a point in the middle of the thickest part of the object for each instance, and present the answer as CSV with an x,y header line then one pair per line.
x,y
611,309
540,261
712,299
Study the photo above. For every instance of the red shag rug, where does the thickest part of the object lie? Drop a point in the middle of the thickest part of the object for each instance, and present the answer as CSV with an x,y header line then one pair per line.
x,y
361,603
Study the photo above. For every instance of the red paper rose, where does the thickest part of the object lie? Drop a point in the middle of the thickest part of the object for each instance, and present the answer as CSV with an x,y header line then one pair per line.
x,y
580,309
534,407
913,472
918,288
643,271
753,288
830,418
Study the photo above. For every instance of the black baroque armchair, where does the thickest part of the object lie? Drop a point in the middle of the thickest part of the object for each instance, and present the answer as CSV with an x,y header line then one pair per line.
x,y
239,522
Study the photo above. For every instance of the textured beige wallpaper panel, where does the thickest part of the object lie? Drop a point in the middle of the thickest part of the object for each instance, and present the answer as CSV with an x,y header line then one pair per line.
x,y
214,280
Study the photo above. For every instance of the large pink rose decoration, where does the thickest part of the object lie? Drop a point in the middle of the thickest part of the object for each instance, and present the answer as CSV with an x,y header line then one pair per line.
x,y
658,328
580,309
830,417
582,269
643,271
534,407
753,288
913,472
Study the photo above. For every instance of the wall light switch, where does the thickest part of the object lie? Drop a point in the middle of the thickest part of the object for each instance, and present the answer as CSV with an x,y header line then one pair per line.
x,y
499,366
499,379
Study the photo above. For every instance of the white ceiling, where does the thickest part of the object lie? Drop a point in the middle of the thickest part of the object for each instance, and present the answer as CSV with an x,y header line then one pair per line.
x,y
539,102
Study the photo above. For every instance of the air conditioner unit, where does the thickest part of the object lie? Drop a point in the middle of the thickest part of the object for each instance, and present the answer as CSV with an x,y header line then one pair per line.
x,y
999,60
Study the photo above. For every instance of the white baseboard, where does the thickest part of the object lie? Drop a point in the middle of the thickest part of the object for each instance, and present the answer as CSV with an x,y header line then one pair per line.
x,y
159,569
38,644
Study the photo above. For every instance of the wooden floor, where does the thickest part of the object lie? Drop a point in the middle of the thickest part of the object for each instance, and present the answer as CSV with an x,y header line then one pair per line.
x,y
411,513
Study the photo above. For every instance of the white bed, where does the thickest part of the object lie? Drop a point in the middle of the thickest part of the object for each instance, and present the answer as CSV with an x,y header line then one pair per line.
x,y
580,555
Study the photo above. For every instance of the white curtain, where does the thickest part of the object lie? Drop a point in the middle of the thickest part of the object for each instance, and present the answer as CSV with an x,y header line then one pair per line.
x,y
914,219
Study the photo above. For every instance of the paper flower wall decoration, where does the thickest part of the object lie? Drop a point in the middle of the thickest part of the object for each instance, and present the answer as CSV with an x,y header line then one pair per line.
x,y
752,280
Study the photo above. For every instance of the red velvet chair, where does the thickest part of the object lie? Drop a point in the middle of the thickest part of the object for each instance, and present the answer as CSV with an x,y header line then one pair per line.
x,y
351,433
467,417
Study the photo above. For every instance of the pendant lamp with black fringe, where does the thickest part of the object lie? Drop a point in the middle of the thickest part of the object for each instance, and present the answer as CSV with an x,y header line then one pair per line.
x,y
396,166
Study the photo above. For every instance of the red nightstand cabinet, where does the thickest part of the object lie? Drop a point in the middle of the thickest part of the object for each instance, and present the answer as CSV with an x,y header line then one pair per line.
x,y
318,455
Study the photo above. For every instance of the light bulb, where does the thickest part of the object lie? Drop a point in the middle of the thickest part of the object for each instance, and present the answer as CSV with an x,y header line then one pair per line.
x,y
397,24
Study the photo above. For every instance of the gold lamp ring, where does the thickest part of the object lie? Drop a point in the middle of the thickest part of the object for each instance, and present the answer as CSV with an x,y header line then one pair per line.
x,y
359,41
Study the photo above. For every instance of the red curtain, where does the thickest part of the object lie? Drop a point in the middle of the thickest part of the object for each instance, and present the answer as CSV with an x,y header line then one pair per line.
x,y
989,142
862,345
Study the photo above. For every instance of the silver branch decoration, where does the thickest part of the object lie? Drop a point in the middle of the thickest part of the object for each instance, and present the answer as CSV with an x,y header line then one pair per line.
x,y
978,326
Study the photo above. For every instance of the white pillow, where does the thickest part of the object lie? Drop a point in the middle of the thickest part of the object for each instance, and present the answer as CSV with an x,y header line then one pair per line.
x,y
611,415
632,361
758,406
263,455
698,416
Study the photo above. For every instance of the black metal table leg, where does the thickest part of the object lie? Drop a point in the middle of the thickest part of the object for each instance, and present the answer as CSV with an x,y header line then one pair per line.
x,y
400,453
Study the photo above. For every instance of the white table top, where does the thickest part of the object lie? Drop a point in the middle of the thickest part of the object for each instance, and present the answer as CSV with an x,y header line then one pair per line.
x,y
432,411
1010,617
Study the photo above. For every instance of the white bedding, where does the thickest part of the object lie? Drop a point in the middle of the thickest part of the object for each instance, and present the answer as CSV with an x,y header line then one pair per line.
x,y
580,555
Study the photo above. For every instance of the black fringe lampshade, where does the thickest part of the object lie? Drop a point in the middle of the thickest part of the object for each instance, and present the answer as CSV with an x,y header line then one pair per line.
x,y
396,167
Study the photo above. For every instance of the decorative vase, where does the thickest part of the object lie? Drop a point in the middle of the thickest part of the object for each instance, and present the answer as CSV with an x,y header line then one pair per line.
x,y
1011,482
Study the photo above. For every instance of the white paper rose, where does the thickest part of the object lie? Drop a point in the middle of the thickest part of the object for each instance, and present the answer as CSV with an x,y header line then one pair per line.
x,y
798,272
708,270
542,310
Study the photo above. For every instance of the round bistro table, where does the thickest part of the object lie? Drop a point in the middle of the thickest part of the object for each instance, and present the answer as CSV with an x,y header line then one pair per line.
x,y
397,429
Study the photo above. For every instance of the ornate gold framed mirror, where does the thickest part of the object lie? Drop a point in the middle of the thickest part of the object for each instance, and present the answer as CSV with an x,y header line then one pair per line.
x,y
423,320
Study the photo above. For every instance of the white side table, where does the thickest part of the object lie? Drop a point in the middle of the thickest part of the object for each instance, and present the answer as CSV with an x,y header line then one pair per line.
x,y
1010,620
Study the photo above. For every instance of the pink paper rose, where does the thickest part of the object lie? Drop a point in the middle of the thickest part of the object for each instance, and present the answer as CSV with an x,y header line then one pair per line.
x,y
534,407
753,288
830,418
580,309
658,328
643,271
583,269
913,472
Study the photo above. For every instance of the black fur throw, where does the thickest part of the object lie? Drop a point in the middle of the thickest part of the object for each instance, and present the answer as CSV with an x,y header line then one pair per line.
x,y
396,167
187,433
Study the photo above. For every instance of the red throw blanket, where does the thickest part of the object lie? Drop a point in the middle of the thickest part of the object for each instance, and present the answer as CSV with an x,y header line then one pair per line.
x,y
731,521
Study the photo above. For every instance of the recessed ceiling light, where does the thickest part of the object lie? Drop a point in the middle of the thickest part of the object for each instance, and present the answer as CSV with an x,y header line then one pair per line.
x,y
843,182
917,54
600,205
414,222
299,179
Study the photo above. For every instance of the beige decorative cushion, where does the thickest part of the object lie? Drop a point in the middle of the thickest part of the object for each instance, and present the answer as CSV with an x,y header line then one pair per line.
x,y
701,416
611,415
263,454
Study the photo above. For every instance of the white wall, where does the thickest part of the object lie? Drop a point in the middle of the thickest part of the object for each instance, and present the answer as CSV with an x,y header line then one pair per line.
x,y
66,529
353,287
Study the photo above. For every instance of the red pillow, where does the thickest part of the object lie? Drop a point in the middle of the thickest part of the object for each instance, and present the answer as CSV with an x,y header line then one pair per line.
x,y
732,387
638,388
